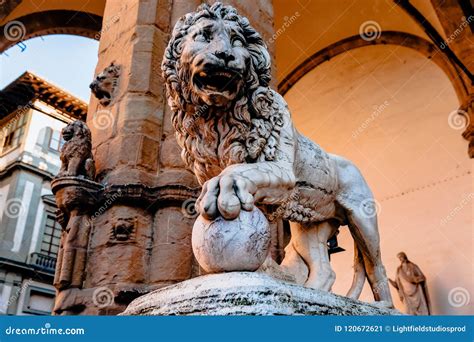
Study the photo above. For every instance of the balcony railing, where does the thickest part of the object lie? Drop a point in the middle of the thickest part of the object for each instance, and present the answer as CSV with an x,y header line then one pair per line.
x,y
43,262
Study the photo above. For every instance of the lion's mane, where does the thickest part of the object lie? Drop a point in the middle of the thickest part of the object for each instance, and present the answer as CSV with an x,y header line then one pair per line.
x,y
213,138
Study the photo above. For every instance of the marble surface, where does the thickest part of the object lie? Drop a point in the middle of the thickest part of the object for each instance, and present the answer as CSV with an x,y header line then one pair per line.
x,y
246,293
224,245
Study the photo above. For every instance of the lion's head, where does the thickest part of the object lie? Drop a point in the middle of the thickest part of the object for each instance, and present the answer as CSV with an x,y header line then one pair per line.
x,y
105,84
77,130
217,70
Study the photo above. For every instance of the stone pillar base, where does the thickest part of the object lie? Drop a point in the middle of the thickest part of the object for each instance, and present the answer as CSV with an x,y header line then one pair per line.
x,y
246,293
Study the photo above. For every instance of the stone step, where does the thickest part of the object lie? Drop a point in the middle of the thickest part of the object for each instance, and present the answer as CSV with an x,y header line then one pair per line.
x,y
246,293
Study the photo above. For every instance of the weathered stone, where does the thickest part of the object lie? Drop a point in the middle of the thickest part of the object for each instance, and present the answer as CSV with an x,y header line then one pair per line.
x,y
170,153
171,257
143,239
106,226
171,262
148,153
235,245
244,293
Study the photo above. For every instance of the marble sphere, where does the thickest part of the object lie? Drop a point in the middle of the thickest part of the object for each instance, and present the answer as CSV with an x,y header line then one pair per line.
x,y
232,245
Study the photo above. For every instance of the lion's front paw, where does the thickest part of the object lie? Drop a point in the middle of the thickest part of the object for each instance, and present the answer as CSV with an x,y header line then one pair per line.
x,y
225,195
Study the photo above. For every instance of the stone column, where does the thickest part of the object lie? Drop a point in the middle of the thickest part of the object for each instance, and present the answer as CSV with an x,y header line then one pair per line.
x,y
141,232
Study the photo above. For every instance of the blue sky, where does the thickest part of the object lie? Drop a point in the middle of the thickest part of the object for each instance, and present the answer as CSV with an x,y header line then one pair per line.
x,y
64,60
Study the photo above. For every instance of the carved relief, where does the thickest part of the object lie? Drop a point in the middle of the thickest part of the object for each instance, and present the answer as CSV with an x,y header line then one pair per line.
x,y
75,198
76,153
123,230
237,137
105,84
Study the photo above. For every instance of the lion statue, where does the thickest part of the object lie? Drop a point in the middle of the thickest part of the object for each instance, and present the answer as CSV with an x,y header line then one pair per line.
x,y
76,153
238,138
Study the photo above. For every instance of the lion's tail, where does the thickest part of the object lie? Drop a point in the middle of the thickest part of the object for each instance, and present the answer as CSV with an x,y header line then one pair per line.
x,y
359,274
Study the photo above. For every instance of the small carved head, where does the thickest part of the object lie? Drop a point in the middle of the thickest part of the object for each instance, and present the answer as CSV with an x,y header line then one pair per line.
x,y
105,84
213,56
76,129
123,230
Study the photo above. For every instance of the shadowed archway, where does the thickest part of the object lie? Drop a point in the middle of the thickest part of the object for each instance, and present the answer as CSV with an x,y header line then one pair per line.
x,y
50,22
421,45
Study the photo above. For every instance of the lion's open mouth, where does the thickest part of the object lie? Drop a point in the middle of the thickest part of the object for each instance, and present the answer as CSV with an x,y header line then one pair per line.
x,y
217,80
67,135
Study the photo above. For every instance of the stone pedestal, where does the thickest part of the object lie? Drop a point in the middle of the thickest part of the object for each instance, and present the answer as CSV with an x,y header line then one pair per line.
x,y
246,293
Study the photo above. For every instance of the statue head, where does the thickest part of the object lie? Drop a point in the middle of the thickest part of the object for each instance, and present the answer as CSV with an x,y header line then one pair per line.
x,y
76,129
402,256
213,56
217,71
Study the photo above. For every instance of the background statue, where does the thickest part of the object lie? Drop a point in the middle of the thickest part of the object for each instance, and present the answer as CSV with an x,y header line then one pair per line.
x,y
410,283
238,138
76,153
75,191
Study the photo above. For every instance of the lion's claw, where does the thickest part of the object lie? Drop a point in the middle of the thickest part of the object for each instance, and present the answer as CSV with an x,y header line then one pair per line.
x,y
224,195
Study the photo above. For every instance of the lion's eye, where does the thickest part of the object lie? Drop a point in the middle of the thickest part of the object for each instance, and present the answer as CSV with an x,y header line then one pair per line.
x,y
200,38
237,42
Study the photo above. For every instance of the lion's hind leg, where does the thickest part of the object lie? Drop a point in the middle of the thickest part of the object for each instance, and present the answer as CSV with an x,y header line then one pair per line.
x,y
310,241
365,233
357,200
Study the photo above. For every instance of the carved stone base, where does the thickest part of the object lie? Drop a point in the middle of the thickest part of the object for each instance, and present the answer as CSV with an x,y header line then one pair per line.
x,y
246,293
75,192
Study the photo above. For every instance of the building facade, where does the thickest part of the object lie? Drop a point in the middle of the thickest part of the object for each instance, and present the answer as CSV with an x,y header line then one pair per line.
x,y
32,114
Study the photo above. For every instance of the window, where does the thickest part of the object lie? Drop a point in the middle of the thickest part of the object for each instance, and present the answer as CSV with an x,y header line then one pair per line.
x,y
56,141
37,300
13,132
51,237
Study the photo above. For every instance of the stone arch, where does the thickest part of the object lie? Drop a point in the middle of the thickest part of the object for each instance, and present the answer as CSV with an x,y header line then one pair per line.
x,y
54,22
407,149
421,45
